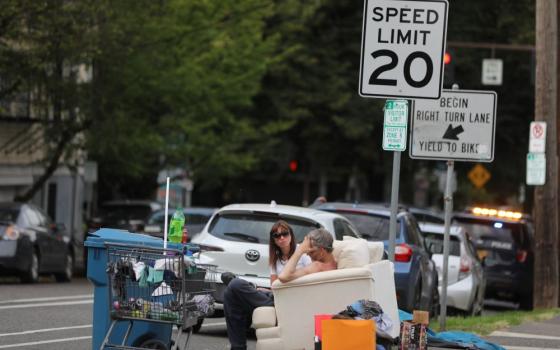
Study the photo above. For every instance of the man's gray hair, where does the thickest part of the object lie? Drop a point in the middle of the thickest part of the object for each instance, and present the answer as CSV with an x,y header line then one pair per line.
x,y
321,238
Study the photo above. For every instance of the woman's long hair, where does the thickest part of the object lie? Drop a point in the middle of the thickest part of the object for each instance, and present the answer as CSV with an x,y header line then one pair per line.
x,y
274,252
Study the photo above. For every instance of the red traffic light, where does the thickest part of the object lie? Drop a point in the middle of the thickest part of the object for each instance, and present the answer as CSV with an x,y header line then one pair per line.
x,y
447,58
293,166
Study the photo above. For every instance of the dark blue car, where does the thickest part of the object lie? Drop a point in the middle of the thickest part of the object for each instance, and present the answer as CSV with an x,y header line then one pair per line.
x,y
415,273
504,241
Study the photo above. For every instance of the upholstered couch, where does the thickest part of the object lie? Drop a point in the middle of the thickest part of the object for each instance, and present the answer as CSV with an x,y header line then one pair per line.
x,y
361,274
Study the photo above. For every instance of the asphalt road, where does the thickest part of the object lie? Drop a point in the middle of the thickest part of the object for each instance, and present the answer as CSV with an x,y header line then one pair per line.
x,y
50,315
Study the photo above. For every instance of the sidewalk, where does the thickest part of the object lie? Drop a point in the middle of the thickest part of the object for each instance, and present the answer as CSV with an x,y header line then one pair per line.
x,y
543,335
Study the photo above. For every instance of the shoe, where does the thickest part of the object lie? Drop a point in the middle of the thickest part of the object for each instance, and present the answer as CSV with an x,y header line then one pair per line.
x,y
227,277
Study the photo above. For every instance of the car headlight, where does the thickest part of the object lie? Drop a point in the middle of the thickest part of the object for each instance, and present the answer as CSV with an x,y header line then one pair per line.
x,y
11,233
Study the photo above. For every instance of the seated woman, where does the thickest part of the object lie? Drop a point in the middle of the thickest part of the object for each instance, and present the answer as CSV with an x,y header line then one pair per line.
x,y
281,246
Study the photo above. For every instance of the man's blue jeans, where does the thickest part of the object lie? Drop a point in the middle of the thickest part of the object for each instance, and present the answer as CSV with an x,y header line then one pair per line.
x,y
240,300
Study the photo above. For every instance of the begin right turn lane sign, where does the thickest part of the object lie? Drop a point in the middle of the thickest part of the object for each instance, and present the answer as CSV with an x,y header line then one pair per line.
x,y
459,126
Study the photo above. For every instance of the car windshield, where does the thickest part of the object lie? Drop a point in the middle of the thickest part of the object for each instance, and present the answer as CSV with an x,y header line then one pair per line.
x,y
425,218
373,228
489,230
190,218
8,214
434,241
254,228
112,212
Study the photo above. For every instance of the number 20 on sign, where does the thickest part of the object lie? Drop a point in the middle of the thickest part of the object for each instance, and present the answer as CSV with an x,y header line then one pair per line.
x,y
403,44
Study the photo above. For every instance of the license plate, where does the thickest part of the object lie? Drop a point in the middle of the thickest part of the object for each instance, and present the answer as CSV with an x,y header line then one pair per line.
x,y
501,245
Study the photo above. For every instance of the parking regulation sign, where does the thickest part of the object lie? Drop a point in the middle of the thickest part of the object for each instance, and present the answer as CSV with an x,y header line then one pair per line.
x,y
459,126
403,44
537,137
536,169
395,125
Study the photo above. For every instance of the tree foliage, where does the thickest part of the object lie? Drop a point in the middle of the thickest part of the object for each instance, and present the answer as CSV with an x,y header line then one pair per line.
x,y
42,46
174,86
501,22
231,88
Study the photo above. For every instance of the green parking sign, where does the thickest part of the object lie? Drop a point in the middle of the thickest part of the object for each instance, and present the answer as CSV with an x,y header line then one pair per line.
x,y
395,125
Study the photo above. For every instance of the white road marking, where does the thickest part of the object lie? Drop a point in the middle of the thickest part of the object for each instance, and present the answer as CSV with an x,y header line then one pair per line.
x,y
522,335
213,324
18,345
62,303
44,330
525,348
67,297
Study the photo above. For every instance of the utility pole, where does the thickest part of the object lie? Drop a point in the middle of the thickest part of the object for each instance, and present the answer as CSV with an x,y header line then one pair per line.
x,y
558,124
546,269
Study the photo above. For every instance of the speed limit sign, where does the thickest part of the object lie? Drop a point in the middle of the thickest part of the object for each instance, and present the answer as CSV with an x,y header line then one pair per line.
x,y
403,44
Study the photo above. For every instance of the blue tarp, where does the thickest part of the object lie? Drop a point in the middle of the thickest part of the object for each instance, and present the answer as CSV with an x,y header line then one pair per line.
x,y
463,339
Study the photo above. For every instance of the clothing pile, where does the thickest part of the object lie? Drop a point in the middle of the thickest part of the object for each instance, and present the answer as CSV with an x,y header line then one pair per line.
x,y
153,289
454,339
371,310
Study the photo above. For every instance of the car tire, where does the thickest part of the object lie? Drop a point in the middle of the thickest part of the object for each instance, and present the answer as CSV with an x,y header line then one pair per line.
x,y
475,309
32,273
66,276
154,344
217,314
526,302
435,307
198,325
417,297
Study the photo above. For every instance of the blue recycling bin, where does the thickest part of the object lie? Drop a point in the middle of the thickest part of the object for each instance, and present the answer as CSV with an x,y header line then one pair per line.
x,y
97,274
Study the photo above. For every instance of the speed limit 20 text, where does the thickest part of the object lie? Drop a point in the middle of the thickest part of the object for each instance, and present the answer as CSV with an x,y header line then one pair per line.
x,y
403,15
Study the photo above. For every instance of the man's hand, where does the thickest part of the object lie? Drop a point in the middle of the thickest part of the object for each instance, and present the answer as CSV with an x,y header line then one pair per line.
x,y
305,246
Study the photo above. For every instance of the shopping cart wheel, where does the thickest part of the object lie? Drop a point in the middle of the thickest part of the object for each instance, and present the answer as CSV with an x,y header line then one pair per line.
x,y
198,325
154,344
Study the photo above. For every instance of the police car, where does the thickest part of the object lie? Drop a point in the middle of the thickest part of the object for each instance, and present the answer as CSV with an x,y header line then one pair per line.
x,y
504,241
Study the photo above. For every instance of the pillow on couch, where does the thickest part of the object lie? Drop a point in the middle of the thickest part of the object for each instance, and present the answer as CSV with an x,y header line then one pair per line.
x,y
376,249
351,253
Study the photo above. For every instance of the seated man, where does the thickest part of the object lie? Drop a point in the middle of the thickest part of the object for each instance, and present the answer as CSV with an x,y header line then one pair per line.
x,y
241,298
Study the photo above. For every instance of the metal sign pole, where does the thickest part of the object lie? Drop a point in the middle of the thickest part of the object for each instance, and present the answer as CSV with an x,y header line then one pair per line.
x,y
394,204
395,124
448,202
448,208
166,213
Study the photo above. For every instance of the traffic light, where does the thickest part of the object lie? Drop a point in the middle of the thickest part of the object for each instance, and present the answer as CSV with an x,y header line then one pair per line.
x,y
293,165
448,70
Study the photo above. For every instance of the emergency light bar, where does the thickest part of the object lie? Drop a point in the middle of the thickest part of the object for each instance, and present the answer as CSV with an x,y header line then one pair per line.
x,y
505,214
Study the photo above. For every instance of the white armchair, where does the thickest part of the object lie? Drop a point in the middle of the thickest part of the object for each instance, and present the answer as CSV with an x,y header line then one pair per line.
x,y
290,323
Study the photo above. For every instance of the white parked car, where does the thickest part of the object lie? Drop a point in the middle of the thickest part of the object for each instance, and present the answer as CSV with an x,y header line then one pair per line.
x,y
465,278
236,237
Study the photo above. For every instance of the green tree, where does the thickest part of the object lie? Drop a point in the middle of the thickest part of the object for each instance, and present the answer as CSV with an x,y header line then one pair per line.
x,y
174,82
315,88
501,22
334,131
42,47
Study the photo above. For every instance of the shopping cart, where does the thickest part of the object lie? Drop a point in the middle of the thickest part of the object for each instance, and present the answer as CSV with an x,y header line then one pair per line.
x,y
157,285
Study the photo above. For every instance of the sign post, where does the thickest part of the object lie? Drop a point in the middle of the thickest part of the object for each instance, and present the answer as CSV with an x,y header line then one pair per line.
x,y
403,44
459,126
394,139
